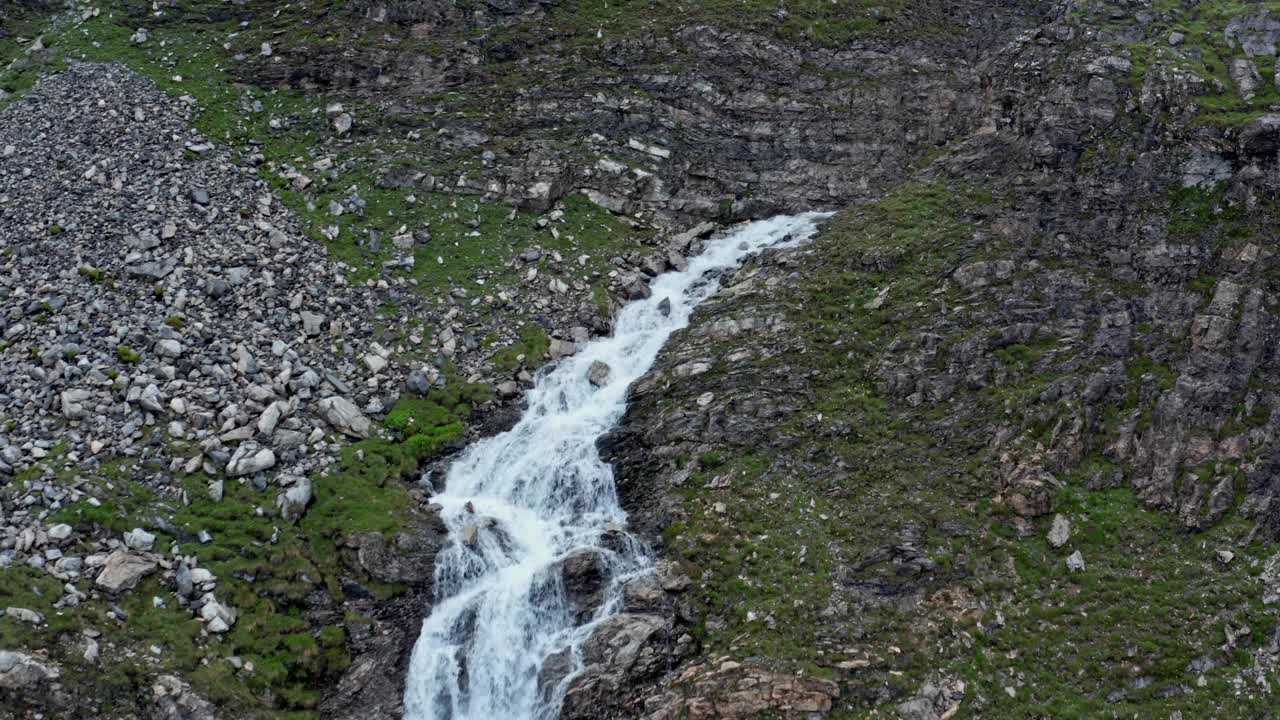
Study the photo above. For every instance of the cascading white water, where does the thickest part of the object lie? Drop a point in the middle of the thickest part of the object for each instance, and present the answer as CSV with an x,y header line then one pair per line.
x,y
519,503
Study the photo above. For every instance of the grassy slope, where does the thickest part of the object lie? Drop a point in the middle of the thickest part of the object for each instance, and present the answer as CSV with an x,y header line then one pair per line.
x,y
786,561
1029,637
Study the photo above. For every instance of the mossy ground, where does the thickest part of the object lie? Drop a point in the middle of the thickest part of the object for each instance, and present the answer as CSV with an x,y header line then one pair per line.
x,y
266,567
1203,51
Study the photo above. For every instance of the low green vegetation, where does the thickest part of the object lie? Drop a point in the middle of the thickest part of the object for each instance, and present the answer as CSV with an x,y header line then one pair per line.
x,y
127,354
1202,49
528,350
1139,630
266,568
864,545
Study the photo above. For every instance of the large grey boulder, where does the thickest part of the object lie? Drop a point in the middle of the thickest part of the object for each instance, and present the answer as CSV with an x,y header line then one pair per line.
x,y
344,416
122,571
19,671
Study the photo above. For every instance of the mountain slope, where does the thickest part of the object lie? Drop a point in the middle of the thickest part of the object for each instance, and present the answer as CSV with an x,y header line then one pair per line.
x,y
1000,441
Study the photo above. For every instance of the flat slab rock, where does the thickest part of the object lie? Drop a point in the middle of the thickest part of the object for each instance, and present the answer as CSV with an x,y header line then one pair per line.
x,y
19,671
123,571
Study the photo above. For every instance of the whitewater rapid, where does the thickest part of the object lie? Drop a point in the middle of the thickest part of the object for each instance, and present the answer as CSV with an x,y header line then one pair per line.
x,y
519,503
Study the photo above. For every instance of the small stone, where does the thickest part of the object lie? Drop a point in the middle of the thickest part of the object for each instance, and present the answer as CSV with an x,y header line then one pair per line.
x,y
1060,532
168,348
24,615
312,323
1075,562
293,502
250,458
122,571
59,532
417,382
139,539
561,348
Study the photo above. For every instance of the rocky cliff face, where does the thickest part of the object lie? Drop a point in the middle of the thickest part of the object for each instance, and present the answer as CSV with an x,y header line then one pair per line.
x,y
990,406
999,442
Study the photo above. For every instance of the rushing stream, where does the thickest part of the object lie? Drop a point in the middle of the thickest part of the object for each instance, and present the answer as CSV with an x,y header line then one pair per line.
x,y
517,504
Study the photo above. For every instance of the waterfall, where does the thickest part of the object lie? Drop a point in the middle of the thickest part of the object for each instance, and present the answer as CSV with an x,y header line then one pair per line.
x,y
519,503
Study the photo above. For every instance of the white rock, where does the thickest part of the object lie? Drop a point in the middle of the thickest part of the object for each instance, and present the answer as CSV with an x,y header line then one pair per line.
x,y
24,615
1060,532
168,348
139,539
1075,562
344,416
121,571
59,532
598,373
293,502
250,458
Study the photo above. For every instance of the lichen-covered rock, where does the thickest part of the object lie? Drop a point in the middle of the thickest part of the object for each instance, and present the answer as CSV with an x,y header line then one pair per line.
x,y
122,570
27,680
344,416
173,699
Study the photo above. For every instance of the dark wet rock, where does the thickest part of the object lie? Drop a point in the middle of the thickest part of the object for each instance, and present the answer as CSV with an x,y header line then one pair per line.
x,y
620,652
408,557
585,576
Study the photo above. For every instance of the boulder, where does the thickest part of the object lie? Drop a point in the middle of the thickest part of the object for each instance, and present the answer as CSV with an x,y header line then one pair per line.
x,y
344,416
122,571
585,577
598,374
937,700
292,503
22,672
73,403
1245,75
139,539
250,458
1261,136
31,617
1060,532
1271,580
173,699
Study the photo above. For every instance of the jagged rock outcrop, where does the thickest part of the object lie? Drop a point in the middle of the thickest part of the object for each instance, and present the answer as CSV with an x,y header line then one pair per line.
x,y
1092,325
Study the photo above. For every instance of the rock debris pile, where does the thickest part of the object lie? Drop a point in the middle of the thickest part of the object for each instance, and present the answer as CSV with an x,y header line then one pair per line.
x,y
157,302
